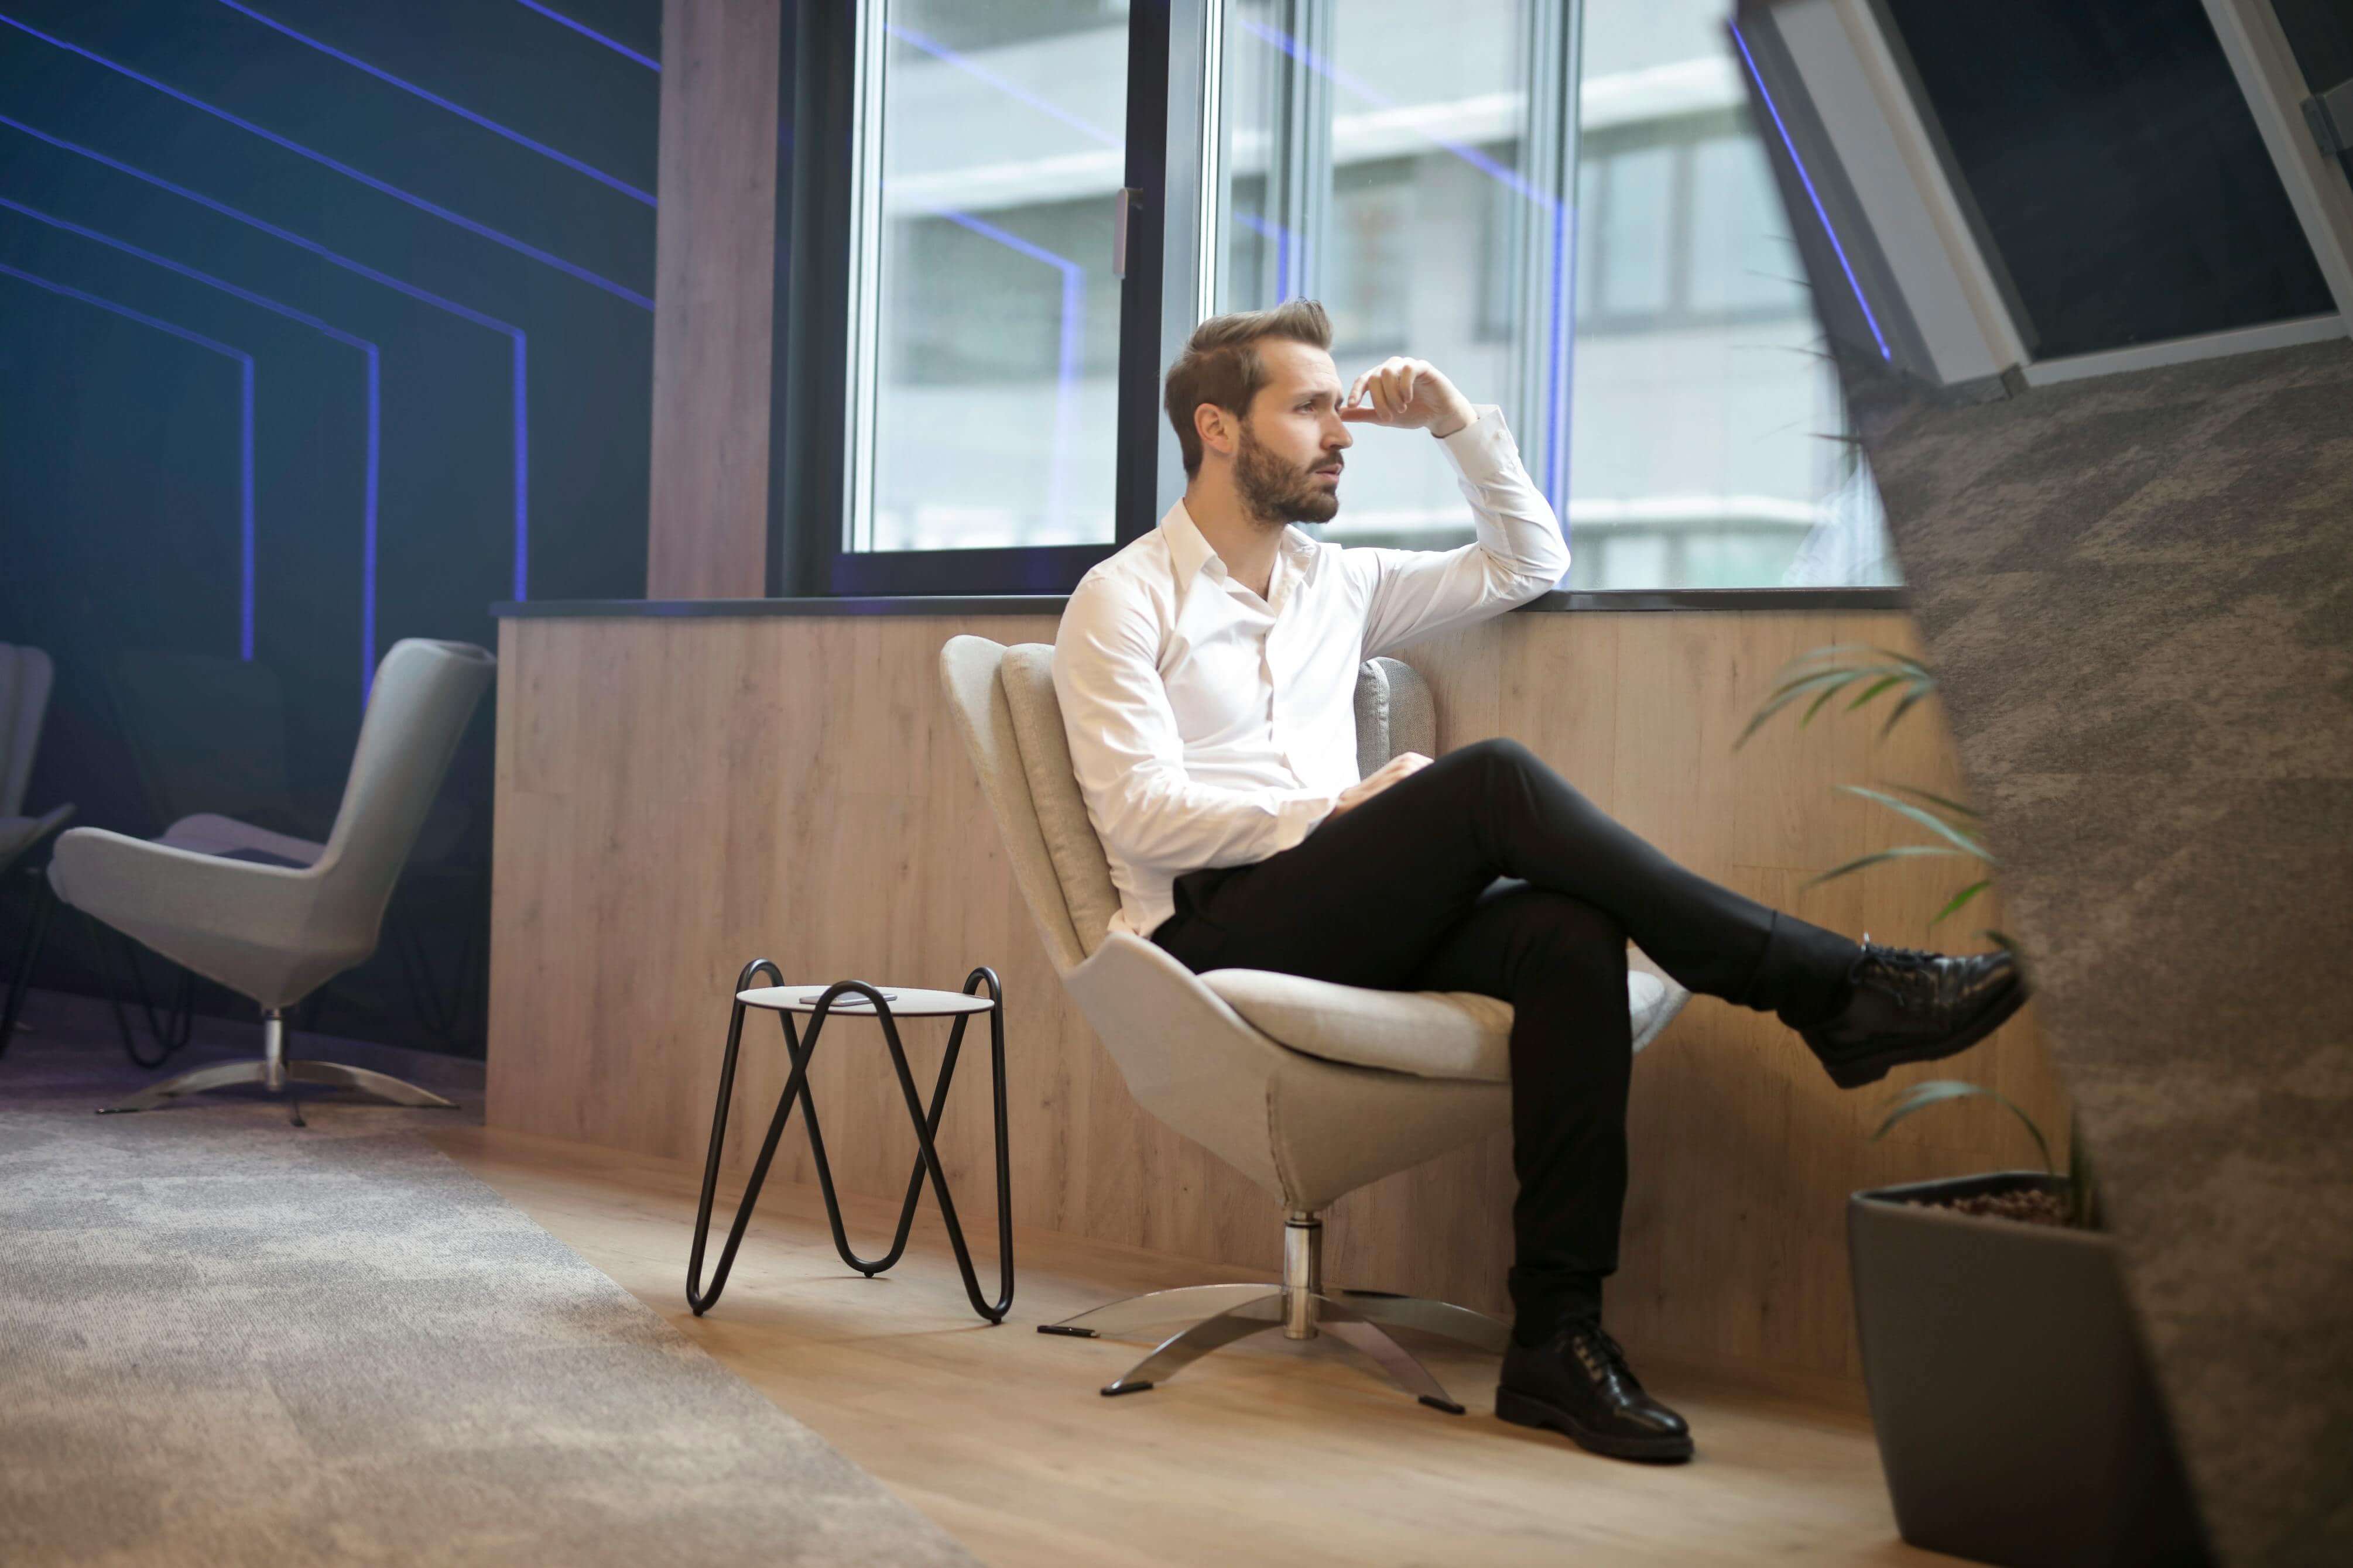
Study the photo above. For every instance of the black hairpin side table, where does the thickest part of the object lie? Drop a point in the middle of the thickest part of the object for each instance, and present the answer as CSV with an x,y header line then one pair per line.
x,y
856,999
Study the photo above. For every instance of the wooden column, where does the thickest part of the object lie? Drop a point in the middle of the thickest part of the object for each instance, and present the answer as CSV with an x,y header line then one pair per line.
x,y
713,286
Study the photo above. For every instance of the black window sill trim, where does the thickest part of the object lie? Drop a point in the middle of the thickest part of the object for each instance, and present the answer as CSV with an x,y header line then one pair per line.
x,y
1614,600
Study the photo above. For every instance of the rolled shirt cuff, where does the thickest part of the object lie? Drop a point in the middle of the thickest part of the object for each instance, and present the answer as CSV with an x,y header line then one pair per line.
x,y
1299,816
1484,446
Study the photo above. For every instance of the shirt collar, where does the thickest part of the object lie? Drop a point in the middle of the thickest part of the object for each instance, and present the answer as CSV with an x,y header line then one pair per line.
x,y
1190,551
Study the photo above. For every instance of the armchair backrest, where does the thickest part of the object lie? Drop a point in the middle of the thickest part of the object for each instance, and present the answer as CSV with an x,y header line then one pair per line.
x,y
1005,706
26,675
423,693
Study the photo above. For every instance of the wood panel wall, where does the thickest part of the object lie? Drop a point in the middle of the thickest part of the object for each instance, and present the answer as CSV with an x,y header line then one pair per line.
x,y
715,277
676,796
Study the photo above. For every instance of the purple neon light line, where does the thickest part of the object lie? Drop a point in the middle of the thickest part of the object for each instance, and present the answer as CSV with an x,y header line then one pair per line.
x,y
385,187
486,123
522,409
245,455
973,67
1812,195
1066,370
367,349
587,32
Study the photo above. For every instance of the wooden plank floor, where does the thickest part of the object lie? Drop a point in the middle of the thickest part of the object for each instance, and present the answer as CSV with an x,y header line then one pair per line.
x,y
1286,1454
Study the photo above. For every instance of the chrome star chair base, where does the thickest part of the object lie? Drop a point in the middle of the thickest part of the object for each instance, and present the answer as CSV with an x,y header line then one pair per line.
x,y
1302,1308
273,1071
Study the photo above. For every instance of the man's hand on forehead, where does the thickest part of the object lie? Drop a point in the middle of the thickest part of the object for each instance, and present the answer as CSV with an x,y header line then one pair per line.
x,y
1408,394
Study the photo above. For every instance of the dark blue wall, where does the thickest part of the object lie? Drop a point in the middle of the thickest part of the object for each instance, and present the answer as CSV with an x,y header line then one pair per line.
x,y
122,471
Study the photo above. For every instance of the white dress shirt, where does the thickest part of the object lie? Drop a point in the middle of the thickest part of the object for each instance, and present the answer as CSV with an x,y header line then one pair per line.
x,y
1211,727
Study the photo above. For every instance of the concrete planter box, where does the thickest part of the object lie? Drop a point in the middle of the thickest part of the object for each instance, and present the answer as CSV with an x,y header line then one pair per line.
x,y
2017,1419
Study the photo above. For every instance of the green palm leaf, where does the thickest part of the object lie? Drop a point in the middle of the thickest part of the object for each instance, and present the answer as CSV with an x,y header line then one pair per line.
x,y
1963,897
1927,819
1902,851
1953,806
1937,1091
1874,690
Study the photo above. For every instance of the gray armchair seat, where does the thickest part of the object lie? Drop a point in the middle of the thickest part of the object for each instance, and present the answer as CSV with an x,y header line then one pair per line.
x,y
274,917
1311,1090
1428,1034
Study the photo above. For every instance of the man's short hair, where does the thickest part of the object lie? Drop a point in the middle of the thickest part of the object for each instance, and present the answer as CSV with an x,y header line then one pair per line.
x,y
1221,364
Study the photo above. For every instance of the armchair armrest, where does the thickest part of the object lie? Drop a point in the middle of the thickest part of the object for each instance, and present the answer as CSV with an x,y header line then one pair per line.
x,y
146,888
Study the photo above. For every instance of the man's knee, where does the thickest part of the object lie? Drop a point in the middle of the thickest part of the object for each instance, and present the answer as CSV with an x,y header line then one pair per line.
x,y
1497,752
1559,932
1506,769
1573,925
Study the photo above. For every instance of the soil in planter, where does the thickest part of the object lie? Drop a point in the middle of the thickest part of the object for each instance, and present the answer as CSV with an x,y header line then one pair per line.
x,y
2028,1207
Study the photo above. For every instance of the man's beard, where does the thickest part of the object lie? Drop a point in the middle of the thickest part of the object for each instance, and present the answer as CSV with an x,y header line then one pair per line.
x,y
1277,492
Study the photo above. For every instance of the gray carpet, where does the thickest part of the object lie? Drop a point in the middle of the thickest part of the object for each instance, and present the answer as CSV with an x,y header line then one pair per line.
x,y
226,1341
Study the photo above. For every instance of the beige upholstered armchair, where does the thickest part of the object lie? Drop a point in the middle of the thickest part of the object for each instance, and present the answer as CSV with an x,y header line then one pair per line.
x,y
1311,1090
275,918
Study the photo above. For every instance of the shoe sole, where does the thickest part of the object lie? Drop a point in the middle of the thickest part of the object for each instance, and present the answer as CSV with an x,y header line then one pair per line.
x,y
1871,1070
1527,1410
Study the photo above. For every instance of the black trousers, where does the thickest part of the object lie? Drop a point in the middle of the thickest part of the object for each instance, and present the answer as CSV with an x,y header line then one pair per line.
x,y
1488,872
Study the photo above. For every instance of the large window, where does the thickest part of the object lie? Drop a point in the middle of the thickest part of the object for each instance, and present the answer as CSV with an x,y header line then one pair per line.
x,y
1567,210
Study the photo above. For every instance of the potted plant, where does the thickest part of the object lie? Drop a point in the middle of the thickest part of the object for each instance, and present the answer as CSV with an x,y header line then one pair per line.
x,y
2016,1418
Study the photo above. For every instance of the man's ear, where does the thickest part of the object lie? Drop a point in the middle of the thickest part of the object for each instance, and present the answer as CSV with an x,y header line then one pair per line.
x,y
1219,431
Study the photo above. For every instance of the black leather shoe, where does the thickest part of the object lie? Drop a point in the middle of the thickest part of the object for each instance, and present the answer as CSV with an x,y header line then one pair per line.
x,y
1577,1383
1910,1007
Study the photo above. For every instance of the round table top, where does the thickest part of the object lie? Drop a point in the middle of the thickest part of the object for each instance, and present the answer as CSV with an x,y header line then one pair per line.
x,y
903,1001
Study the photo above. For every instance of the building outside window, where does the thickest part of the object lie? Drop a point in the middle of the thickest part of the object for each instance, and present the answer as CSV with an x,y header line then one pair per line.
x,y
1626,289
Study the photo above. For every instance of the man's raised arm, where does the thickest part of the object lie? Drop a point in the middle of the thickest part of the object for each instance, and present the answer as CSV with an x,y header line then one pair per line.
x,y
1131,758
1518,552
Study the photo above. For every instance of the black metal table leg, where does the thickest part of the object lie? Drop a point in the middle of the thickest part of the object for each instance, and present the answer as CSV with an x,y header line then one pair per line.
x,y
925,1120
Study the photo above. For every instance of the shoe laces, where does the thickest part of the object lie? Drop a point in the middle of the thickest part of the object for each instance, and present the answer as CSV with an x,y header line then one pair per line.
x,y
1903,957
1612,1354
1899,970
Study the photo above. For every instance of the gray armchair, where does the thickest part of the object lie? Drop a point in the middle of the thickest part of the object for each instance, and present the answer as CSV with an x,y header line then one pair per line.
x,y
25,676
274,917
1310,1089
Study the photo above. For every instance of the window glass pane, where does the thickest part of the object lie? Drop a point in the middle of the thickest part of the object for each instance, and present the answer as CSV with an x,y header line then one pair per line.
x,y
989,335
1708,447
1381,156
1635,234
2117,169
1372,160
1741,257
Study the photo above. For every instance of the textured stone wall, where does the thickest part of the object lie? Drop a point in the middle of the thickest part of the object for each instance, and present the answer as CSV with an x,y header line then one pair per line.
x,y
2138,592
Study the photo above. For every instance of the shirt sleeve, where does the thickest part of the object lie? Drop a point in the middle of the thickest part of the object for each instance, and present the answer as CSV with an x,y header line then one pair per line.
x,y
1130,758
1518,553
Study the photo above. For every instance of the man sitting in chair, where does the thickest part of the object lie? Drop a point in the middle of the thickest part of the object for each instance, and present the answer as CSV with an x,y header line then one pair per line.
x,y
1206,674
